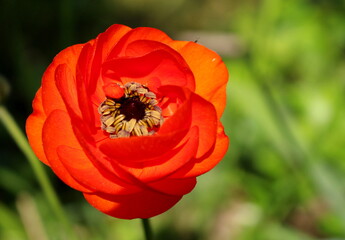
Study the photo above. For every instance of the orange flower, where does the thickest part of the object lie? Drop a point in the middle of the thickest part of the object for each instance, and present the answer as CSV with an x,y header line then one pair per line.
x,y
130,119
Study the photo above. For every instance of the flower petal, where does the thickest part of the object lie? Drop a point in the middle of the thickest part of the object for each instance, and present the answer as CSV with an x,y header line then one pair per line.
x,y
85,83
51,98
145,204
66,85
141,33
153,70
34,125
53,137
171,186
103,45
210,72
107,40
85,172
201,166
205,118
143,47
96,156
161,166
137,149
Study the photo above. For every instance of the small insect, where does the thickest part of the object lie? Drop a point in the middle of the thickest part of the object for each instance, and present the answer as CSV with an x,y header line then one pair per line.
x,y
196,39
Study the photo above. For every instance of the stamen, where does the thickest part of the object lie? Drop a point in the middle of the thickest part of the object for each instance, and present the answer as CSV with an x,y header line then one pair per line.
x,y
136,113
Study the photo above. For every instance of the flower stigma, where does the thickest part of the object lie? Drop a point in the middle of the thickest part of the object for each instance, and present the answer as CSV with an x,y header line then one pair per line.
x,y
135,113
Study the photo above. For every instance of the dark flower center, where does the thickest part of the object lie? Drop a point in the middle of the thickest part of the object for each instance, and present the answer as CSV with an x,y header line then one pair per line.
x,y
132,108
136,113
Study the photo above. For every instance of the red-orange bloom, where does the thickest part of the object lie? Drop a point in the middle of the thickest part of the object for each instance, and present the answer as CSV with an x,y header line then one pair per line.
x,y
130,119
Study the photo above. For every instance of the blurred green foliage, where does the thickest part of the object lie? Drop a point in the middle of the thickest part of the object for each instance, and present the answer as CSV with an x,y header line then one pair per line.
x,y
283,177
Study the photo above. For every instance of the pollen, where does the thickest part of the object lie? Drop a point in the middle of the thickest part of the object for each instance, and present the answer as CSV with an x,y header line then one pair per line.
x,y
135,113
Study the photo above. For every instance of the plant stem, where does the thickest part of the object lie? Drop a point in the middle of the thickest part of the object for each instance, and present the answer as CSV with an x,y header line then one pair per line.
x,y
38,169
147,228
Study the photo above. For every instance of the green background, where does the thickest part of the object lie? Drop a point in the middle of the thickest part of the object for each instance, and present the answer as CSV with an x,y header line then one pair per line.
x,y
283,176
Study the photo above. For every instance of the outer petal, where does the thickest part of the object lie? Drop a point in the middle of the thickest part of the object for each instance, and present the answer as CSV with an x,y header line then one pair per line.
x,y
34,125
50,95
86,83
66,85
53,137
210,72
97,157
172,186
145,204
201,166
47,99
86,173
205,118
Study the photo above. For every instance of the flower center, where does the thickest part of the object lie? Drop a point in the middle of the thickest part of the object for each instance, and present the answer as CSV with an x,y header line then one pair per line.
x,y
135,113
133,108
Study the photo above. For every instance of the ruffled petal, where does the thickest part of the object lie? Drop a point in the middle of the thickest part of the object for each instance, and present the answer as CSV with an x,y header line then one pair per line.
x,y
56,132
160,167
86,83
97,157
171,186
141,33
205,118
128,168
85,172
51,98
66,85
34,125
103,45
107,40
145,204
201,166
139,149
155,69
210,72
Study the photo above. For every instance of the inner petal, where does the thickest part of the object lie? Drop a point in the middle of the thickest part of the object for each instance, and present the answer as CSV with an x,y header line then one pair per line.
x,y
155,69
